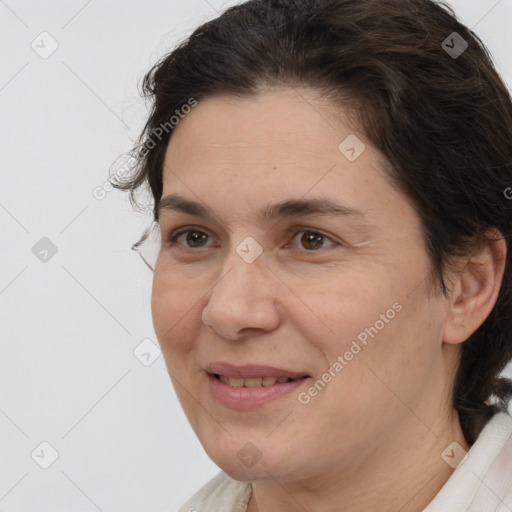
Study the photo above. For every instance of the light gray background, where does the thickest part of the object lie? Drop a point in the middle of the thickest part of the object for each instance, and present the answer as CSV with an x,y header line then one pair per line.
x,y
68,374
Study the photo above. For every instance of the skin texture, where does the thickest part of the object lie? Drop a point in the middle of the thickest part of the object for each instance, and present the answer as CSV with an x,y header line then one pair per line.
x,y
372,438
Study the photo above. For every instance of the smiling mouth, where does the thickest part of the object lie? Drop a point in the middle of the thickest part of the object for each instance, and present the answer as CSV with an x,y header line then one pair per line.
x,y
253,386
254,382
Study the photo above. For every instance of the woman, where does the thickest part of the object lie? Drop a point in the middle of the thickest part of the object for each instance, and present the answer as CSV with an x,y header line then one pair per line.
x,y
333,286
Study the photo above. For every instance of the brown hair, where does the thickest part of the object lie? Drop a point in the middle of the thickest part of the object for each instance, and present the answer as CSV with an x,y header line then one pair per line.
x,y
437,110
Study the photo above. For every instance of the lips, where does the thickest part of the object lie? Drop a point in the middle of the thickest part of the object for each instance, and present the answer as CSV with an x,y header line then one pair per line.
x,y
252,387
252,376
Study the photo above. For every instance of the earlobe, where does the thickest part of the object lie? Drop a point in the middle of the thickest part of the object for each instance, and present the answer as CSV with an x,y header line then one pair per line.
x,y
475,289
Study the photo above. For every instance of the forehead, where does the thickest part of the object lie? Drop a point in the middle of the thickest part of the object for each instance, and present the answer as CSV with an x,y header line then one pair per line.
x,y
279,134
276,125
277,145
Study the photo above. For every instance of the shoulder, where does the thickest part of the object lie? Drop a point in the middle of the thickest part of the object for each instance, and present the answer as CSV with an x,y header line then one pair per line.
x,y
221,494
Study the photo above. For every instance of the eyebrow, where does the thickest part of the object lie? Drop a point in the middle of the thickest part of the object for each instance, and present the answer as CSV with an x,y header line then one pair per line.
x,y
273,211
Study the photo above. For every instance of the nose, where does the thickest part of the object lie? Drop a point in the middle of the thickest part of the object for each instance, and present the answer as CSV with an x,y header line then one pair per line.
x,y
243,300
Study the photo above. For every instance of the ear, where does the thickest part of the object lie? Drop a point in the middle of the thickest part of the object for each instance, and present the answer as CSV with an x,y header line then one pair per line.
x,y
475,288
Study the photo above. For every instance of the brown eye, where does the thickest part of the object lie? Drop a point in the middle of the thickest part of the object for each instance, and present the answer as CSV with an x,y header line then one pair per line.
x,y
312,240
195,238
189,238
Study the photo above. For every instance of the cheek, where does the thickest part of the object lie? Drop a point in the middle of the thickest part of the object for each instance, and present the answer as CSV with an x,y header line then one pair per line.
x,y
375,317
175,311
337,310
388,345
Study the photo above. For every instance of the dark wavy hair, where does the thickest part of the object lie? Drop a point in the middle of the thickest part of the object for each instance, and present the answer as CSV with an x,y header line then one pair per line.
x,y
442,120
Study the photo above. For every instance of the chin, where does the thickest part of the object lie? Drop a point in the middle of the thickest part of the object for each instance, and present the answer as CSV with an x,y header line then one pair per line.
x,y
245,461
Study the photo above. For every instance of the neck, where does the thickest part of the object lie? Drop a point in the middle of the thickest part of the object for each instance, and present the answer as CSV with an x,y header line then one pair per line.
x,y
405,473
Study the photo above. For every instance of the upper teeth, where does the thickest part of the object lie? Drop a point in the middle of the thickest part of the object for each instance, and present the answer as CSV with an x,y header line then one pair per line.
x,y
253,382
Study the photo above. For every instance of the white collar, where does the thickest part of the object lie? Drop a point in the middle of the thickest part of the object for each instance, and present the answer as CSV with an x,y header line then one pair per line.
x,y
483,480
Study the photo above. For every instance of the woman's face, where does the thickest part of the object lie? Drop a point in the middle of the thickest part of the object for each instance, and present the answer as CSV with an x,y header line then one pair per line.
x,y
339,297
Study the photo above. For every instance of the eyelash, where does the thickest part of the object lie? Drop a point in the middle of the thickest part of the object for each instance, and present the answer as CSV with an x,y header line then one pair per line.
x,y
172,239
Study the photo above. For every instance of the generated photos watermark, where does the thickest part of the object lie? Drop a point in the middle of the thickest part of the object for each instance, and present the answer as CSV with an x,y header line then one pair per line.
x,y
101,191
343,360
